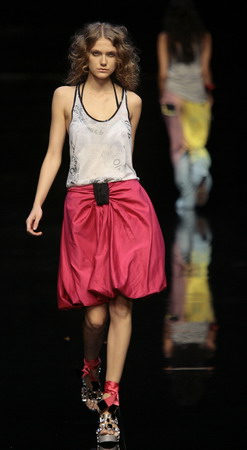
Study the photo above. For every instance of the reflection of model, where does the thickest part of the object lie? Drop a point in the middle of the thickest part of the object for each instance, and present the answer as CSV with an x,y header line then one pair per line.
x,y
184,77
190,326
112,248
190,294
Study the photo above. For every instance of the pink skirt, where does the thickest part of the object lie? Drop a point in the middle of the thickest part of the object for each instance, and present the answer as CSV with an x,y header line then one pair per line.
x,y
109,250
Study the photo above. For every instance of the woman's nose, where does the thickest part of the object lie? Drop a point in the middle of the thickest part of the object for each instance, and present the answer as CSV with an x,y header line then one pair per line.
x,y
103,61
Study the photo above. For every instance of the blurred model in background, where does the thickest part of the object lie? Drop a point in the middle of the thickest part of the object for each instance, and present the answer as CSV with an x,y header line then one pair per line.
x,y
184,49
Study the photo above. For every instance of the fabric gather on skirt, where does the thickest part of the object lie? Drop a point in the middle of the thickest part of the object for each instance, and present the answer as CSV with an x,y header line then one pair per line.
x,y
116,248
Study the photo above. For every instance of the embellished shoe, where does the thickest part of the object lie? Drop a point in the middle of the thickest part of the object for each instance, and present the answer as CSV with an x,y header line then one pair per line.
x,y
91,392
108,432
115,447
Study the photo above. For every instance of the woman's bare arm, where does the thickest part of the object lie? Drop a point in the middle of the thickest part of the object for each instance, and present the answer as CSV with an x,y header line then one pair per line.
x,y
51,162
163,61
206,60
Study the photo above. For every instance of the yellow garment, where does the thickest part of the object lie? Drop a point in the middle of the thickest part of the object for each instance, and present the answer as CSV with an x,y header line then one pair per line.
x,y
198,297
196,119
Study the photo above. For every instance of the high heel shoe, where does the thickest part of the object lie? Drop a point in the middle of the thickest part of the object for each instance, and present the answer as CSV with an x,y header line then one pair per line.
x,y
91,392
108,432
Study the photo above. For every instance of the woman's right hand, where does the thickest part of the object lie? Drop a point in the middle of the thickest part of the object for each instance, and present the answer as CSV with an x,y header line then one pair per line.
x,y
33,220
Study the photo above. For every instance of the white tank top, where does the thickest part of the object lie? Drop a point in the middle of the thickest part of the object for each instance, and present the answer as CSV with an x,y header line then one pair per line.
x,y
100,150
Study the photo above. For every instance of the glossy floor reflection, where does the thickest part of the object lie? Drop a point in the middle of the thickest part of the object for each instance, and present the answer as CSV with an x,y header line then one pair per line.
x,y
190,327
184,384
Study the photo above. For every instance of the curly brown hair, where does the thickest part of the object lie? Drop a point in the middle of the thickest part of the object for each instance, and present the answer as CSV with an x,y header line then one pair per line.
x,y
127,71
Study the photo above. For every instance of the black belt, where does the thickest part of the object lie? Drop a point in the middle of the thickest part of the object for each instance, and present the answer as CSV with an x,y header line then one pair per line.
x,y
101,193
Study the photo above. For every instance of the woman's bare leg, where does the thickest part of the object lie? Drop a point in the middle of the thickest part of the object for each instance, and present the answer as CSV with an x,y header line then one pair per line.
x,y
93,336
119,335
93,330
118,340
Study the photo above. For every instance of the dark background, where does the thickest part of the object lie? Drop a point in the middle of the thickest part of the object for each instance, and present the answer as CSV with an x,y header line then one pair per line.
x,y
34,46
41,347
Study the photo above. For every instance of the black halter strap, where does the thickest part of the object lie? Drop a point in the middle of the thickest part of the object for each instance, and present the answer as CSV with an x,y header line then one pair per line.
x,y
115,92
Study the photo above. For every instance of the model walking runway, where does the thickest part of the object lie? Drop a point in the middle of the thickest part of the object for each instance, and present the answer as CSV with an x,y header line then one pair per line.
x,y
184,379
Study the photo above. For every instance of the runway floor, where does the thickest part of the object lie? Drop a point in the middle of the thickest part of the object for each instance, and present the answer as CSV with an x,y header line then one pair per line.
x,y
184,383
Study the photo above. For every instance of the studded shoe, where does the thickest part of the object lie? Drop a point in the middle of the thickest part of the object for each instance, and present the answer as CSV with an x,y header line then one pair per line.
x,y
108,432
91,392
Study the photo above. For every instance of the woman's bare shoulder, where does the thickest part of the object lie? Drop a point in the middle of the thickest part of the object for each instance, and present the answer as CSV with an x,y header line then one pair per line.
x,y
64,91
63,97
162,36
134,99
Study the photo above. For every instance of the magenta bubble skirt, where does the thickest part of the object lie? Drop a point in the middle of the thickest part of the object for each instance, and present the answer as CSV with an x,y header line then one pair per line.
x,y
117,248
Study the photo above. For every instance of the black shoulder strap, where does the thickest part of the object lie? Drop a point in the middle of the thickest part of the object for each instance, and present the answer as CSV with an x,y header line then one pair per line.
x,y
115,92
76,90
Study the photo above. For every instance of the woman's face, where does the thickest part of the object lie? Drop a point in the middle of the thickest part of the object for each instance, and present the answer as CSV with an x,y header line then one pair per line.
x,y
102,59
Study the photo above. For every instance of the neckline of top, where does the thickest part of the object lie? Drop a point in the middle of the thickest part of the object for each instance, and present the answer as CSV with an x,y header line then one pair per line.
x,y
89,115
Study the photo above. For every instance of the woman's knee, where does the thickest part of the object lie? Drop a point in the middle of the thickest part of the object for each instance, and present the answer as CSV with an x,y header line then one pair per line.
x,y
95,318
121,308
